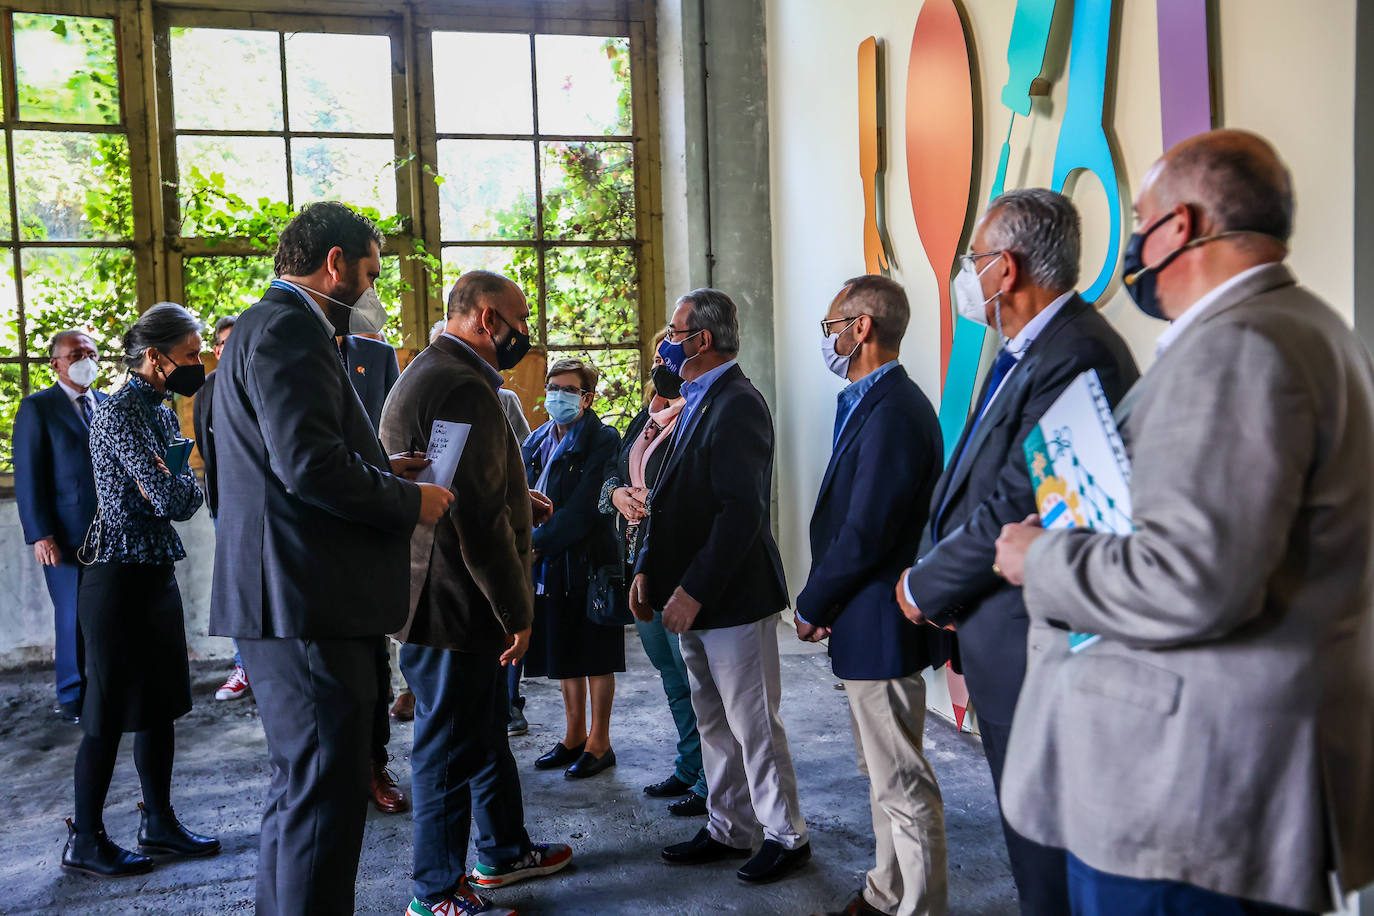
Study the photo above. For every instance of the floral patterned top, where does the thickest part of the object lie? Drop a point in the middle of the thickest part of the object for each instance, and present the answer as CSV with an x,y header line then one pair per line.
x,y
131,429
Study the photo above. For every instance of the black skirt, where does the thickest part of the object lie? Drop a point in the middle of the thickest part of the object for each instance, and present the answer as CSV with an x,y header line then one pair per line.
x,y
137,676
564,643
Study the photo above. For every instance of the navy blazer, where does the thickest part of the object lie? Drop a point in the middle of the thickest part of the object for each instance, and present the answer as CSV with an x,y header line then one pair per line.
x,y
314,530
954,581
577,537
866,527
373,370
709,527
53,479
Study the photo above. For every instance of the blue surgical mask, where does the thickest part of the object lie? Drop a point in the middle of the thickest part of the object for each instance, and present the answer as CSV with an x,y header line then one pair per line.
x,y
675,354
564,406
835,361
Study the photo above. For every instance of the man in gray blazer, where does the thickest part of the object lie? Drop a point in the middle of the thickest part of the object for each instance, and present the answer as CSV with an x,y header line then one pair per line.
x,y
1214,751
312,553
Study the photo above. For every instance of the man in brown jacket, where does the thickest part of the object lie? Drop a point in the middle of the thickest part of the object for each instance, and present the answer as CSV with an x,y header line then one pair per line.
x,y
471,604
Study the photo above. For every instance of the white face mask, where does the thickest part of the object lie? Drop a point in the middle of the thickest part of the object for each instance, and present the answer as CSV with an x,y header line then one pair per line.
x,y
835,361
83,372
366,315
968,296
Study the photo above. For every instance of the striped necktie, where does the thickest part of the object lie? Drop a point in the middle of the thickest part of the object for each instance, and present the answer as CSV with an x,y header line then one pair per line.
x,y
84,401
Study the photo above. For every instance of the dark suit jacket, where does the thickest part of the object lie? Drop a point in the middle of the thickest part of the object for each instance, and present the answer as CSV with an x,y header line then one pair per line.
x,y
577,537
866,527
470,584
314,530
205,439
974,498
53,479
373,370
709,527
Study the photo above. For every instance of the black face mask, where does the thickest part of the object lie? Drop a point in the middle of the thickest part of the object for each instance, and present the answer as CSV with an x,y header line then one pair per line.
x,y
1138,279
667,383
184,380
511,350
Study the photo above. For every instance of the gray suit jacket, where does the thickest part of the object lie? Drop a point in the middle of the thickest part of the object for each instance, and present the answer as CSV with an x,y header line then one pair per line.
x,y
1221,732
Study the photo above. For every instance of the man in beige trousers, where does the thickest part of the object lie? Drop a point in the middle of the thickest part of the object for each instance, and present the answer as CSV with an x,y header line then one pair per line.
x,y
1214,751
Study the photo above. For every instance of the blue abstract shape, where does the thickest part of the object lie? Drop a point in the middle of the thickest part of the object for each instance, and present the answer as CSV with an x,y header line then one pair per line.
x,y
957,395
1083,144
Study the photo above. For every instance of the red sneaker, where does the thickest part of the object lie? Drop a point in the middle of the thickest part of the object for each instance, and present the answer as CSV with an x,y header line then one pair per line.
x,y
236,687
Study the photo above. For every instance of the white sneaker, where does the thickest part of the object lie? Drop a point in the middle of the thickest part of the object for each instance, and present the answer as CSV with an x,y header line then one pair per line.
x,y
235,687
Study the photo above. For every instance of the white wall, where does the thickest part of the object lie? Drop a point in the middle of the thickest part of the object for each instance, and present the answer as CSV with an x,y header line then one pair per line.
x,y
1287,72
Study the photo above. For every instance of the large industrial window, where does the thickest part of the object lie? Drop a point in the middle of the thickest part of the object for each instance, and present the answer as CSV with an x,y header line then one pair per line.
x,y
154,150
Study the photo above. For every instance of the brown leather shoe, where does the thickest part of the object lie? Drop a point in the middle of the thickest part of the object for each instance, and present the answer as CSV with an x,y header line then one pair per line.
x,y
386,795
403,710
857,907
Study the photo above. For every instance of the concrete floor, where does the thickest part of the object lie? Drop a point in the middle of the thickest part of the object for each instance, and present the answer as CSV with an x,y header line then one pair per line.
x,y
615,831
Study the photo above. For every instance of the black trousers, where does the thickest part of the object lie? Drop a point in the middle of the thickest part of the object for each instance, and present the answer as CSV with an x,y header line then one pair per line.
x,y
318,701
1041,872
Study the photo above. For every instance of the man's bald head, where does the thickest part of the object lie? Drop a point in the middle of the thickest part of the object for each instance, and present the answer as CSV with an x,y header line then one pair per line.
x,y
1232,179
478,288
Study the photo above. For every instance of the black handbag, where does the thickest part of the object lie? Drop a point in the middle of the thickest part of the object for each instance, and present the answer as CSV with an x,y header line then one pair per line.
x,y
608,599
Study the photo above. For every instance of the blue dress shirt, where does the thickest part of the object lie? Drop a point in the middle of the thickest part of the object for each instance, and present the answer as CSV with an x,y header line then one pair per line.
x,y
853,395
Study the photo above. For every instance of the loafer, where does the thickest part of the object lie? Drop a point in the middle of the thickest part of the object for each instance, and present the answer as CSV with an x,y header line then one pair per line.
x,y
672,787
691,806
772,862
701,850
95,854
856,907
587,765
403,710
163,833
559,757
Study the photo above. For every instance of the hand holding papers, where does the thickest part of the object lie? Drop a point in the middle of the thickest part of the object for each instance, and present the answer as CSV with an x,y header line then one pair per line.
x,y
446,443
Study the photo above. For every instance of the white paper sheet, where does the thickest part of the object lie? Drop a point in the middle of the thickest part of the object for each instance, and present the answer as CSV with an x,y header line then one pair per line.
x,y
446,443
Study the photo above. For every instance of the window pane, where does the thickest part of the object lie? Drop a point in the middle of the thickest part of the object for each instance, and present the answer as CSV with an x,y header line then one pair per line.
x,y
220,286
619,394
487,190
520,264
361,173
228,171
226,79
4,194
584,84
389,290
78,288
482,83
65,68
72,186
593,296
11,393
9,309
339,82
589,191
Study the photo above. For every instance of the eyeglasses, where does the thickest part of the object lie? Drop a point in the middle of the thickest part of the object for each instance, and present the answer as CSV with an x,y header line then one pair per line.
x,y
971,259
673,335
81,354
827,322
566,389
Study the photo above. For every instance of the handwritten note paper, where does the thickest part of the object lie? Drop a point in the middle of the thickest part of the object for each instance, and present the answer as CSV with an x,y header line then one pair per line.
x,y
446,443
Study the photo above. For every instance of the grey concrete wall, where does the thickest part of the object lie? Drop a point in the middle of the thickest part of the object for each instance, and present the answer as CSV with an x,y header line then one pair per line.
x,y
26,628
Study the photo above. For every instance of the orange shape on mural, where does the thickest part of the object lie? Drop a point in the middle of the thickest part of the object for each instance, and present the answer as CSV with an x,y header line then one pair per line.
x,y
871,152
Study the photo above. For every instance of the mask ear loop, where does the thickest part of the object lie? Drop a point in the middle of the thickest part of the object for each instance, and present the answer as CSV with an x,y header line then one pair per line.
x,y
1133,278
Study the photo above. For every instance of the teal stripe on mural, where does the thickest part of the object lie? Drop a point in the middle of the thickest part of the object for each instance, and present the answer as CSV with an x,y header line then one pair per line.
x,y
957,395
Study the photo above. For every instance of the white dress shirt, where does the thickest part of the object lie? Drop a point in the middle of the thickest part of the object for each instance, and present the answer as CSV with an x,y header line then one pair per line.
x,y
76,397
1196,310
1019,344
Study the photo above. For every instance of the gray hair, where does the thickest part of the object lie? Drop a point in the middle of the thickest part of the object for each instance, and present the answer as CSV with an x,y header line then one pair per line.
x,y
160,328
1042,229
62,337
883,301
714,311
221,326
1236,178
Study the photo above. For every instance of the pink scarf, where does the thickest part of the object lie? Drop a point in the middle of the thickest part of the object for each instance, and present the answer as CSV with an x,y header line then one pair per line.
x,y
657,431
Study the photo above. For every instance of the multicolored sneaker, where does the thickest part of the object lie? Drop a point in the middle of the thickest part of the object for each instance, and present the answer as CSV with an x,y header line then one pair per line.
x,y
542,859
463,903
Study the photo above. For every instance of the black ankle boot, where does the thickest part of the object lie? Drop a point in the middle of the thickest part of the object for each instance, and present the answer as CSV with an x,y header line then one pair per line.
x,y
94,854
163,833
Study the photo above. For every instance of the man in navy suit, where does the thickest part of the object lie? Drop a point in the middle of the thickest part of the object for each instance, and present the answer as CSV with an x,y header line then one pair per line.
x,y
55,487
1018,277
866,527
373,370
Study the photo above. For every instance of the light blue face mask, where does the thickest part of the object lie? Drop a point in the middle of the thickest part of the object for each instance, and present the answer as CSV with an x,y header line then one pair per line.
x,y
563,406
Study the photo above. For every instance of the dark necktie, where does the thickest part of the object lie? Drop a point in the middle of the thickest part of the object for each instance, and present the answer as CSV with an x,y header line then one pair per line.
x,y
85,403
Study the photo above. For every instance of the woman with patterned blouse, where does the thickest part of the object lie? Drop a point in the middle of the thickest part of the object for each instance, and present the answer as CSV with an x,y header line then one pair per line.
x,y
129,605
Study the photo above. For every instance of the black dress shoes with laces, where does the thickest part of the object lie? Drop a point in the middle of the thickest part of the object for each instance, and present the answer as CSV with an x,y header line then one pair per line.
x,y
95,854
672,787
691,806
773,861
701,850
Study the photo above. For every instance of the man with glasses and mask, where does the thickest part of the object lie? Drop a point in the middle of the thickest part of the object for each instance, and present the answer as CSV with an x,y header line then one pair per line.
x,y
312,550
710,564
1019,278
1216,752
55,487
470,608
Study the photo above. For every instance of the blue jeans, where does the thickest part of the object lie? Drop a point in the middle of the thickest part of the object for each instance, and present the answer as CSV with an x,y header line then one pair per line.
x,y
663,650
462,769
1097,893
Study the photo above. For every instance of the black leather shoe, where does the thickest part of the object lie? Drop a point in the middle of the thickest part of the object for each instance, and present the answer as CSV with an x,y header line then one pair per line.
x,y
94,854
560,756
772,862
700,850
163,833
672,787
691,806
587,765
70,711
